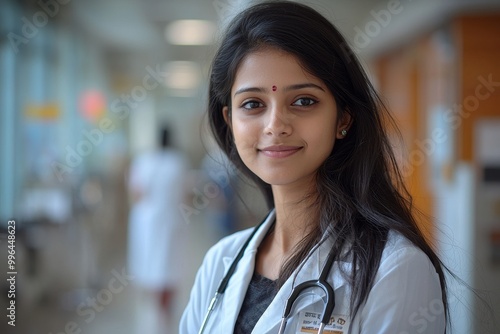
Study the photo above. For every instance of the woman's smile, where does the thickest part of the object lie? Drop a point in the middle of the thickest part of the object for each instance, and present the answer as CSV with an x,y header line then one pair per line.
x,y
279,151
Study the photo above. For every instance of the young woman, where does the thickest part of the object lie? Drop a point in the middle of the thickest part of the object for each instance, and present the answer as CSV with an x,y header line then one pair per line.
x,y
293,110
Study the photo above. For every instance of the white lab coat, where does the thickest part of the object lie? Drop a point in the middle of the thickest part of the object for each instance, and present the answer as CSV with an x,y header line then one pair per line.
x,y
405,297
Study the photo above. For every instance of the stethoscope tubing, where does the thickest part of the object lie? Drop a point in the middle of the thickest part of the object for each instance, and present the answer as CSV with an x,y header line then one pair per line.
x,y
225,281
319,283
209,312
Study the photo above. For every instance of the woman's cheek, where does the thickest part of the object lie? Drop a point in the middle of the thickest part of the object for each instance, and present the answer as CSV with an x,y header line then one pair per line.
x,y
243,138
245,149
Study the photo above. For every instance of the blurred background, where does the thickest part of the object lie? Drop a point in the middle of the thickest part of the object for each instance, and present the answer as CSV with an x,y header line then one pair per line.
x,y
86,88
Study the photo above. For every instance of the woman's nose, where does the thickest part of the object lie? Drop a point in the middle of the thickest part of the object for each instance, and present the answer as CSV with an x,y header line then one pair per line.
x,y
278,122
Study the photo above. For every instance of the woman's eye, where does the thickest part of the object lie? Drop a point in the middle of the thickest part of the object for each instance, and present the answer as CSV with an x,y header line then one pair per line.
x,y
252,105
304,102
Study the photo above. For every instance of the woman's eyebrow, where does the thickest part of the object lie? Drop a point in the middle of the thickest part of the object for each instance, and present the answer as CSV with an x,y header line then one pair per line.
x,y
303,85
250,89
287,88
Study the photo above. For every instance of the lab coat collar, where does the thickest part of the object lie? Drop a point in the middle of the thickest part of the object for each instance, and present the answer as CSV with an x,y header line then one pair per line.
x,y
238,284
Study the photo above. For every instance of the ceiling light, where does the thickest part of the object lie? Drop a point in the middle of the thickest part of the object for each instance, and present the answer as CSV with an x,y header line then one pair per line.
x,y
190,32
183,75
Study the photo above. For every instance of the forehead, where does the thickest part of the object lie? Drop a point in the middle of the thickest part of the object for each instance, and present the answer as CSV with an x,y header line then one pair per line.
x,y
272,67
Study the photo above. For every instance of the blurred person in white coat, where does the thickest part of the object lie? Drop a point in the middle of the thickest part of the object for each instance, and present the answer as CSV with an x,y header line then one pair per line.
x,y
156,188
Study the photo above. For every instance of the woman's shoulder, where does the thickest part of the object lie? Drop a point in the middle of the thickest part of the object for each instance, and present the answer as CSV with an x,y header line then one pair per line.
x,y
401,252
230,245
406,283
219,256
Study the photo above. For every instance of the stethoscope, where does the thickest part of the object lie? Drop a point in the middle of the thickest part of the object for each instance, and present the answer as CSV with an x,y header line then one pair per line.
x,y
296,291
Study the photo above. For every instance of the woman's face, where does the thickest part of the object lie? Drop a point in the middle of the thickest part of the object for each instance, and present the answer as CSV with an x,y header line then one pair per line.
x,y
283,119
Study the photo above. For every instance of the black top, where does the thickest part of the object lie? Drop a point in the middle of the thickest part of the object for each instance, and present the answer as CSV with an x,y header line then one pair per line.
x,y
260,293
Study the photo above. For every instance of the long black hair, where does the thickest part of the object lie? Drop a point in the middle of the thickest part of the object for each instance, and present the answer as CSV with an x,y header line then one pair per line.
x,y
360,191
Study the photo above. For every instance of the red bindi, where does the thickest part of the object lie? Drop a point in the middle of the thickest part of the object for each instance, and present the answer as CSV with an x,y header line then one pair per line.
x,y
274,88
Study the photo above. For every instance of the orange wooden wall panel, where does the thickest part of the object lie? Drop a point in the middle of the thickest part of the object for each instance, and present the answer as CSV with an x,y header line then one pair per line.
x,y
398,77
419,76
479,43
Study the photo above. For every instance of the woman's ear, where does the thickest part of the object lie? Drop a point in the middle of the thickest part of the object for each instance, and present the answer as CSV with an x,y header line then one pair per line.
x,y
344,125
226,115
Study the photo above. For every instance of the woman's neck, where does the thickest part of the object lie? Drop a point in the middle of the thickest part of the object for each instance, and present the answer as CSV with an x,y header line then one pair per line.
x,y
296,215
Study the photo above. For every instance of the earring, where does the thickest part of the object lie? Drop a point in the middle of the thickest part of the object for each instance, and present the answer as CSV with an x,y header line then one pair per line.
x,y
343,132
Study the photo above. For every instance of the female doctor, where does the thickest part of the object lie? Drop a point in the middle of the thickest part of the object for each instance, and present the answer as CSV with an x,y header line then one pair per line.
x,y
293,110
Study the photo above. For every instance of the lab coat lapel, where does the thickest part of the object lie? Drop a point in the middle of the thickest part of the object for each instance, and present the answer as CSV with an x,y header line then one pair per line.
x,y
270,320
238,284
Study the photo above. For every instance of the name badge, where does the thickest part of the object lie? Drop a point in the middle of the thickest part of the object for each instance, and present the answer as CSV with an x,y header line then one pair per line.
x,y
309,322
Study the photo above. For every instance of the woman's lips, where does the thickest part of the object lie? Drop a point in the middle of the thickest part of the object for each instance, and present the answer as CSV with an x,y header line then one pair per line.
x,y
280,151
